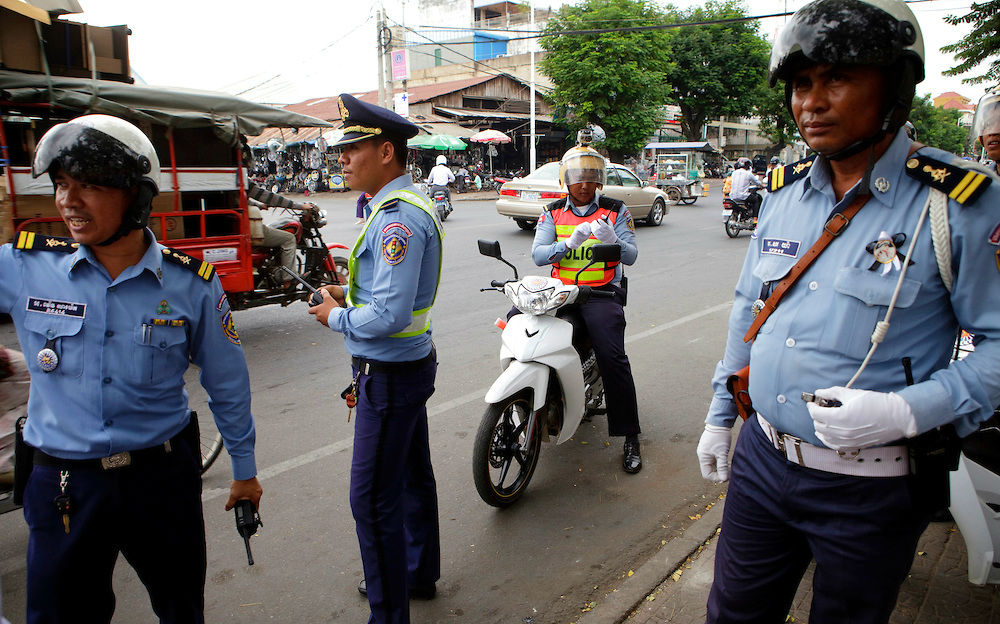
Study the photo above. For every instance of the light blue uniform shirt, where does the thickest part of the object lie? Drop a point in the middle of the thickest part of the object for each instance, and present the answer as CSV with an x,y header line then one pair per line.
x,y
119,386
545,250
388,289
821,330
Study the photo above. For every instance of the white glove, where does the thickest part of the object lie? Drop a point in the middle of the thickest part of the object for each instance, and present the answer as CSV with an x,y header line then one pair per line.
x,y
580,234
866,418
713,452
604,231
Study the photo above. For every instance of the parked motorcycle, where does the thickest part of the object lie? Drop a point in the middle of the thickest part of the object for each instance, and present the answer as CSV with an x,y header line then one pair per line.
x,y
315,262
549,383
740,215
441,203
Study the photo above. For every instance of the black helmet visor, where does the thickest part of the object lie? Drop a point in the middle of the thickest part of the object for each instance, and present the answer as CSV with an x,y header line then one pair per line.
x,y
848,32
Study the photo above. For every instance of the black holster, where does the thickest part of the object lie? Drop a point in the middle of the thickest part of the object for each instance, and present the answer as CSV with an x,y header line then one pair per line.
x,y
933,455
24,461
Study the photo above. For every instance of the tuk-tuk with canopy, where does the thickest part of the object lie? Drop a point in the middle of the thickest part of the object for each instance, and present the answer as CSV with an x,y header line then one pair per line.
x,y
201,209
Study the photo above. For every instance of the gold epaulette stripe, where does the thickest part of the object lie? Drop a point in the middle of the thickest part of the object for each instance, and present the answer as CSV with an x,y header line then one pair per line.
x,y
967,186
25,239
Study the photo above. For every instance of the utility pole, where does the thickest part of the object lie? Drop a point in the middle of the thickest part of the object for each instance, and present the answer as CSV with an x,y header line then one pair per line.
x,y
533,156
379,27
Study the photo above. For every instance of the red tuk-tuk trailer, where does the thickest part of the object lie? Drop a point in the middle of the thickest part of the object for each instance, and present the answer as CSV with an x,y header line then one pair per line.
x,y
202,206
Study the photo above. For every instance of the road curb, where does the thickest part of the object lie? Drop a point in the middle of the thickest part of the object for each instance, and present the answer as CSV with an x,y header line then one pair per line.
x,y
614,607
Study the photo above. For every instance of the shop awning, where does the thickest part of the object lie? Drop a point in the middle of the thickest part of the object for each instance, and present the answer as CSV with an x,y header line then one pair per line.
x,y
684,146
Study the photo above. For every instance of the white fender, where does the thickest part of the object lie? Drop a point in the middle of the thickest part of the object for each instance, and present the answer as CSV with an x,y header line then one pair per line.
x,y
546,342
972,487
518,376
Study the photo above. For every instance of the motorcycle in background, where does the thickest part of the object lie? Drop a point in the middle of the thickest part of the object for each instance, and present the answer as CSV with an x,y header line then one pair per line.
x,y
315,262
549,383
740,215
441,204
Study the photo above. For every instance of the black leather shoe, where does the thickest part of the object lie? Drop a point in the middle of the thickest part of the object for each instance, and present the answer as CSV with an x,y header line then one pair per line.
x,y
419,592
632,462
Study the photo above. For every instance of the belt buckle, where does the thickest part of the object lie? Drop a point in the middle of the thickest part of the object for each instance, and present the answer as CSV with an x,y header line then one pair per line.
x,y
796,442
118,460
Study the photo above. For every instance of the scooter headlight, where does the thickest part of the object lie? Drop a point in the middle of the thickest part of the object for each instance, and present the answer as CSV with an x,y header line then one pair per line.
x,y
320,218
535,296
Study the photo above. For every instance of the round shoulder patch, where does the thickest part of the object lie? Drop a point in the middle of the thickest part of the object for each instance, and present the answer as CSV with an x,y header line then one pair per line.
x,y
229,327
394,247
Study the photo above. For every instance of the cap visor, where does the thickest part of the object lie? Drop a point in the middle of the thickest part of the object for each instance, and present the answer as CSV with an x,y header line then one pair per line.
x,y
353,137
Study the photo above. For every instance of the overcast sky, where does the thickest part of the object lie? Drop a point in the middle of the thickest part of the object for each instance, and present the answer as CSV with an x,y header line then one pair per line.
x,y
292,50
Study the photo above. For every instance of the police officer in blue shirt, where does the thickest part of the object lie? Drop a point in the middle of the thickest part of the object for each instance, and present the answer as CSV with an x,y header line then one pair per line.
x,y
395,267
838,464
109,320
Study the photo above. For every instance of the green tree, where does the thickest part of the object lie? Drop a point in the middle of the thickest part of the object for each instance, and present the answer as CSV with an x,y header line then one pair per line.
x,y
716,69
938,127
776,123
616,80
981,44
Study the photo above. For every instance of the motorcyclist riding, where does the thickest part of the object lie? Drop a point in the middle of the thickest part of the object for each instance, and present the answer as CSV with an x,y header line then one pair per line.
x,y
440,177
743,182
565,231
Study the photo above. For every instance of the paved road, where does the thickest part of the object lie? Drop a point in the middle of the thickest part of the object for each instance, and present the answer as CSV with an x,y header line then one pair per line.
x,y
580,526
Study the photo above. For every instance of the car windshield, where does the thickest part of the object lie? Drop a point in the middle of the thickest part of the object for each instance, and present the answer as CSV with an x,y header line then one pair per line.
x,y
548,172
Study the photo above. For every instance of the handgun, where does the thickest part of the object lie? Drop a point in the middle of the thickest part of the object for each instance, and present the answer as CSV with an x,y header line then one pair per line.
x,y
316,297
809,397
247,521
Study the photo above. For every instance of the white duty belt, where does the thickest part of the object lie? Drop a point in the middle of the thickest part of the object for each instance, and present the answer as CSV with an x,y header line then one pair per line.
x,y
879,461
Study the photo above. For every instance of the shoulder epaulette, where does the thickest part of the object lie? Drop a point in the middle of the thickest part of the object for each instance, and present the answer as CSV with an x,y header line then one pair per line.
x,y
963,185
557,204
34,242
205,270
783,176
610,203
392,204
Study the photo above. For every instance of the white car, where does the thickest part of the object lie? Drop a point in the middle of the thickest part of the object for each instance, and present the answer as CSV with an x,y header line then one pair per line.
x,y
523,199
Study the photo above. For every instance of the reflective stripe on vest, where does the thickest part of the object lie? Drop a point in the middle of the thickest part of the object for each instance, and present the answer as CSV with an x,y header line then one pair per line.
x,y
575,259
420,320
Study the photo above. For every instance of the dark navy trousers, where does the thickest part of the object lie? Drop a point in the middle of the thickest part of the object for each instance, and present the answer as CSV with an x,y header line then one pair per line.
x,y
861,531
605,320
149,512
393,492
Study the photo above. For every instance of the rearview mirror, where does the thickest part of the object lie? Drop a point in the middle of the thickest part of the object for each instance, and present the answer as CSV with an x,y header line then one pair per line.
x,y
605,252
490,248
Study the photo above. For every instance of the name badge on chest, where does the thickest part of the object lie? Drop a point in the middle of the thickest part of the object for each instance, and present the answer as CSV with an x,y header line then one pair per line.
x,y
59,308
779,247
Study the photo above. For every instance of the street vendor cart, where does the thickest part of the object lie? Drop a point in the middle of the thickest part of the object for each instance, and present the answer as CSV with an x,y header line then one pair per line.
x,y
677,168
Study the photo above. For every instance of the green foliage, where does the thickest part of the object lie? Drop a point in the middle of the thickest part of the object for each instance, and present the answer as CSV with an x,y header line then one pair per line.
x,y
938,127
616,80
716,69
981,44
776,123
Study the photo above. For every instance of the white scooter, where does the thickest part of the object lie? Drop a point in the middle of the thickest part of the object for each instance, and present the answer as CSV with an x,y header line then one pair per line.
x,y
975,492
550,380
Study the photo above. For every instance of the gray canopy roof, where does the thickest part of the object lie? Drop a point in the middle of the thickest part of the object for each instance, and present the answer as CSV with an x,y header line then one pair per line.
x,y
169,106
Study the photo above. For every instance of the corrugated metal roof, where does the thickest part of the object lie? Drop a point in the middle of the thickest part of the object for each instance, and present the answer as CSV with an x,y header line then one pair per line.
x,y
698,146
475,113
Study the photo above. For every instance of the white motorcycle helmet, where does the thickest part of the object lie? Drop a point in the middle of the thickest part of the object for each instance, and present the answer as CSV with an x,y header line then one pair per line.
x,y
105,151
441,160
987,119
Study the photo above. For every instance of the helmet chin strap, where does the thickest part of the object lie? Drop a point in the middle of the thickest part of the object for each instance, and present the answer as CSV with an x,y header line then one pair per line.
x,y
859,146
135,216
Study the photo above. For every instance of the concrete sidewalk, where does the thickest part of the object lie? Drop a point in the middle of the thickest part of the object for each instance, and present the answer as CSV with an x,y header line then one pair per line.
x,y
673,585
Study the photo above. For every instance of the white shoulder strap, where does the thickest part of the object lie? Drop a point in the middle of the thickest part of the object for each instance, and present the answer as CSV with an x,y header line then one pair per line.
x,y
941,235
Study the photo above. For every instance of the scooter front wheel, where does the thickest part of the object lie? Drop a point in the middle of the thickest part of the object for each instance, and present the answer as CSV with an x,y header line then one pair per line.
x,y
502,459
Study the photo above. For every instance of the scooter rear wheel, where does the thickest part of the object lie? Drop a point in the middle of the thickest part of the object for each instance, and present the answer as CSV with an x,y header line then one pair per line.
x,y
502,465
732,230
